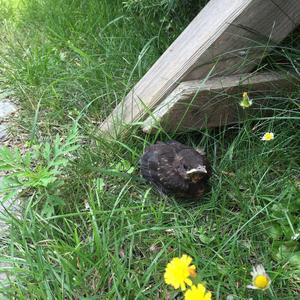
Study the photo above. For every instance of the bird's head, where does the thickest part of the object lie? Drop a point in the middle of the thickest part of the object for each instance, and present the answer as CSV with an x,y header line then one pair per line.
x,y
193,169
196,174
192,166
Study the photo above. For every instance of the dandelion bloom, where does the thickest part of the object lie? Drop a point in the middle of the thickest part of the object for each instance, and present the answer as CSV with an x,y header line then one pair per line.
x,y
178,272
197,293
246,101
260,279
268,136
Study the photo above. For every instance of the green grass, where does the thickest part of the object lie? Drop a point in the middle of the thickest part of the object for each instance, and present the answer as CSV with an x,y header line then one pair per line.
x,y
97,230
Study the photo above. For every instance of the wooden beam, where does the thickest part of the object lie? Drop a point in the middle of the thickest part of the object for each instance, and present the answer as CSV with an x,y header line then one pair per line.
x,y
227,36
199,103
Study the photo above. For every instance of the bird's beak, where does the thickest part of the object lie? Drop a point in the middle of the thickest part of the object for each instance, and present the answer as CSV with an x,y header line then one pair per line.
x,y
200,169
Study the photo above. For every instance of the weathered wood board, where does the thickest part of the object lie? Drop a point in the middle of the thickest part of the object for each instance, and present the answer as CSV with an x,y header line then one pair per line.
x,y
227,37
200,103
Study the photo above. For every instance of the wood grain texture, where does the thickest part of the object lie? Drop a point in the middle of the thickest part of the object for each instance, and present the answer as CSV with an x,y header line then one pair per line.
x,y
199,103
230,36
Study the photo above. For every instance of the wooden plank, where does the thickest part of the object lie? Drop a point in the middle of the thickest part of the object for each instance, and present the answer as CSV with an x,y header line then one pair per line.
x,y
227,35
199,103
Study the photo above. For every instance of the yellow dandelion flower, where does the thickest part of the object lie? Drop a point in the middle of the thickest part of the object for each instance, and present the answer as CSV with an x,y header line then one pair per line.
x,y
197,293
268,136
260,279
178,271
246,101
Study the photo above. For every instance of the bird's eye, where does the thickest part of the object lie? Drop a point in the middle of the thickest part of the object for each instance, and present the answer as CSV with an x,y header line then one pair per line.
x,y
185,166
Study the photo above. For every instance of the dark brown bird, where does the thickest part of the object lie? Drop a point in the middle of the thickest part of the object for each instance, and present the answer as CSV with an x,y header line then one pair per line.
x,y
176,169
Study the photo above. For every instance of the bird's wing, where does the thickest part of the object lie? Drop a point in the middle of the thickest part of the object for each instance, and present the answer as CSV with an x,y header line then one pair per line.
x,y
157,165
154,148
149,166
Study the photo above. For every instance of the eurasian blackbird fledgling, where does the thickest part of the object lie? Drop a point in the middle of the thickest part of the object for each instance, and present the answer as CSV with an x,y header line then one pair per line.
x,y
176,169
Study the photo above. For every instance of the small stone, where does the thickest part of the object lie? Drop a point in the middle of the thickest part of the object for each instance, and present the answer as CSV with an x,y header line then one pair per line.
x,y
6,109
12,205
6,94
3,132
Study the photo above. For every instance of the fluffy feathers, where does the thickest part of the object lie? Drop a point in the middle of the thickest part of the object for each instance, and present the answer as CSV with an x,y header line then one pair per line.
x,y
176,169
